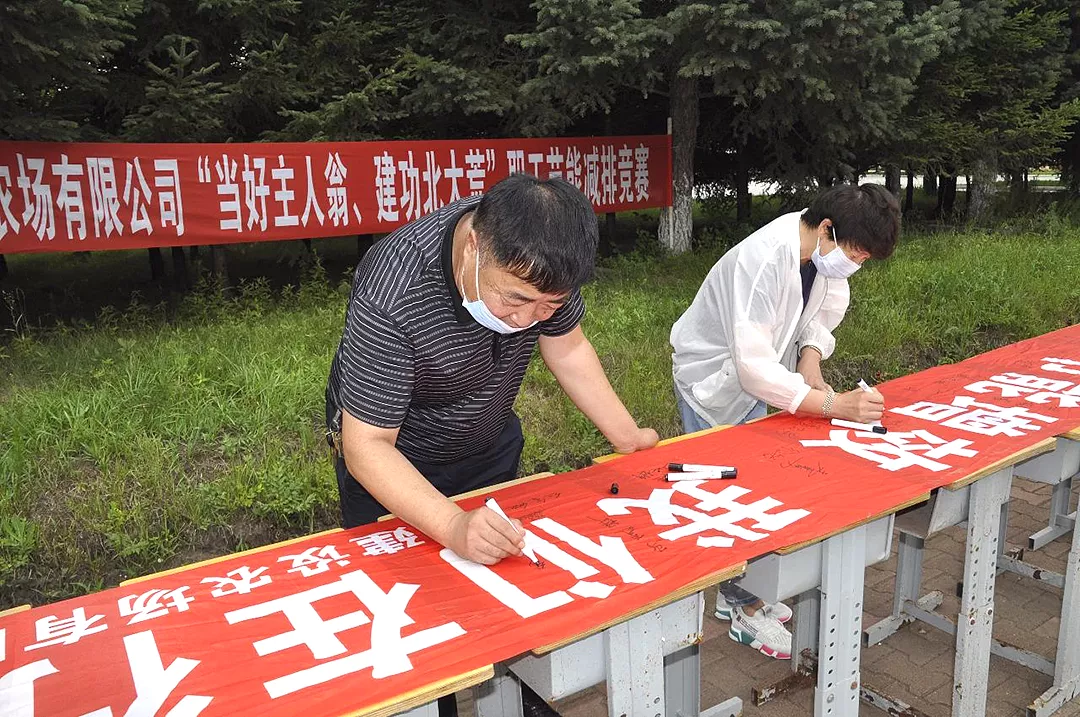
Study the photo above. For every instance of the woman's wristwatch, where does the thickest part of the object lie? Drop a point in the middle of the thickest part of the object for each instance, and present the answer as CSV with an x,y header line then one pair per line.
x,y
827,404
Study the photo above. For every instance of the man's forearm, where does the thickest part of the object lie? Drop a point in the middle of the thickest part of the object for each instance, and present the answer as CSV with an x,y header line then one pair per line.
x,y
389,476
581,376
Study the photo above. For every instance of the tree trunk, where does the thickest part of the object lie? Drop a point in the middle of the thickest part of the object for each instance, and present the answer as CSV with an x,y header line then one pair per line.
x,y
946,196
909,198
179,263
930,184
363,243
892,179
193,252
677,221
3,267
219,264
743,199
157,264
609,232
981,189
950,195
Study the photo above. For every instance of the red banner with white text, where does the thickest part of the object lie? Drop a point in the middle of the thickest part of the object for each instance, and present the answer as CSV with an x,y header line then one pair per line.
x,y
92,197
340,622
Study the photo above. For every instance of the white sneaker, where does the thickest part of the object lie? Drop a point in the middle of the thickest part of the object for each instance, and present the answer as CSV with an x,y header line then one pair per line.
x,y
778,610
762,632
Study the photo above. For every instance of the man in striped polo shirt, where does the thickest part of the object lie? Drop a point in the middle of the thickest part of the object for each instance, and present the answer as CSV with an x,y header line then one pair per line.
x,y
440,327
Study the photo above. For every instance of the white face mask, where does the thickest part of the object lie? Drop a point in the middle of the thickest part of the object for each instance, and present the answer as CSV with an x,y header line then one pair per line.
x,y
836,264
479,310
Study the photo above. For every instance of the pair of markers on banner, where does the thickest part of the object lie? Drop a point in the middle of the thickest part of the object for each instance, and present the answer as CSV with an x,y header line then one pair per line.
x,y
696,471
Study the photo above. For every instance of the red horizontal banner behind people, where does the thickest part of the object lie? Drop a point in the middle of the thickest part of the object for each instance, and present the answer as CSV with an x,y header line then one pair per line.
x,y
341,622
92,197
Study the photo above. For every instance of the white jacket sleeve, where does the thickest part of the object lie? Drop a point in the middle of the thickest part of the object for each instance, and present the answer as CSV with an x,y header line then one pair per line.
x,y
757,294
818,331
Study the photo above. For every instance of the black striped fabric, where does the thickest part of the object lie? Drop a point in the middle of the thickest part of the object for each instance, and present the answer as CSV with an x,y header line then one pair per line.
x,y
412,356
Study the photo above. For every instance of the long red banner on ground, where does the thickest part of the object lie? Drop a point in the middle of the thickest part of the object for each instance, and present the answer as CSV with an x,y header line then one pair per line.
x,y
91,197
343,621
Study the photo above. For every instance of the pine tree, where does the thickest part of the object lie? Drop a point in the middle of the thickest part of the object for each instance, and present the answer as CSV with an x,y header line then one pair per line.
x,y
992,107
53,61
806,81
182,103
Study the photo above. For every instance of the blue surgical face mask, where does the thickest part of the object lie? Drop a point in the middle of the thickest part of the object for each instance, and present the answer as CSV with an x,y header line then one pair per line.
x,y
836,264
479,310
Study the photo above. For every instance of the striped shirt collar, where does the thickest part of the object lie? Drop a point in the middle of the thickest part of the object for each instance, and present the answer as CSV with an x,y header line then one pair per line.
x,y
462,314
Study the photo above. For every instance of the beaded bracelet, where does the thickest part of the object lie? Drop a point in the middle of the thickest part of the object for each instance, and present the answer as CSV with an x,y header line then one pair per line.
x,y
826,406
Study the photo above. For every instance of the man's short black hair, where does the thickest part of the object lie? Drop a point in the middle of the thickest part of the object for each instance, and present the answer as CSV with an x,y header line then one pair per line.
x,y
543,231
866,216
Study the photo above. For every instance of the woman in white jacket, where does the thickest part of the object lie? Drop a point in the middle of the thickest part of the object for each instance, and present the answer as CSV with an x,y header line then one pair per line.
x,y
756,334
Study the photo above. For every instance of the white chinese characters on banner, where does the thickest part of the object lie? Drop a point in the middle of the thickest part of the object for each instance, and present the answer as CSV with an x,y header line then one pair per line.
x,y
389,652
986,419
38,212
1033,389
592,176
387,542
69,196
51,630
480,162
17,688
641,172
229,190
8,222
555,162
411,202
573,172
386,187
1062,365
626,174
337,194
896,450
608,177
153,603
283,195
115,195
240,581
609,551
315,560
311,204
256,190
704,518
154,683
515,161
170,202
454,174
137,197
104,196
